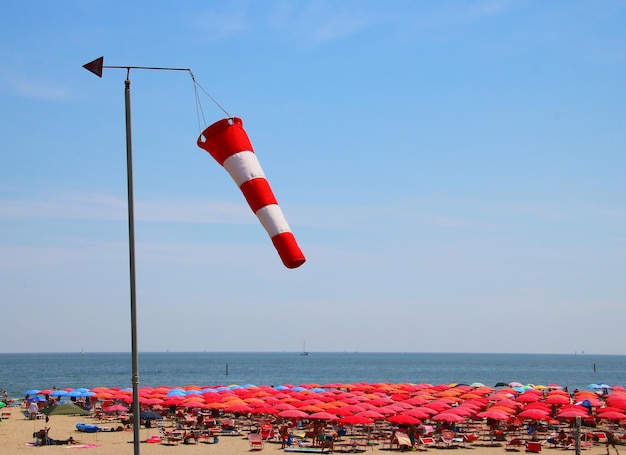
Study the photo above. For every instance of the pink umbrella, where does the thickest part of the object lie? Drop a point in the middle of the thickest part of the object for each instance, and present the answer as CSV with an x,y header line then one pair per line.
x,y
115,408
371,415
323,416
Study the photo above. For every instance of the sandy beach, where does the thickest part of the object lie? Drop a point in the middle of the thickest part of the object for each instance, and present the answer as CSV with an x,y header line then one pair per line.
x,y
16,436
351,418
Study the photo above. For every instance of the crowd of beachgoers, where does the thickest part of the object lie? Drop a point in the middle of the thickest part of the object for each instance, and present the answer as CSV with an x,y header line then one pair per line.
x,y
344,417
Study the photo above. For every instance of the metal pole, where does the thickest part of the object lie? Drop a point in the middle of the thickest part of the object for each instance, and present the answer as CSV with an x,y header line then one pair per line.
x,y
577,445
96,67
131,243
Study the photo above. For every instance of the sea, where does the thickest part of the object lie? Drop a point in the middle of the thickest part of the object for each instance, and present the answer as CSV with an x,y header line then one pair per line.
x,y
22,372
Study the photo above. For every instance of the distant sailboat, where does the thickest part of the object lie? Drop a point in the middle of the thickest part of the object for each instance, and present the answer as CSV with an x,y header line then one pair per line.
x,y
304,351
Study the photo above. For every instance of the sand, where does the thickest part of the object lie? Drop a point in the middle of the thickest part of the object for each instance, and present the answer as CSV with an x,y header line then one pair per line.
x,y
16,433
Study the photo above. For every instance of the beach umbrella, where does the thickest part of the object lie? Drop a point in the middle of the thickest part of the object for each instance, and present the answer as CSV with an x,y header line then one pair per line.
x,y
535,414
149,415
264,410
192,404
448,417
609,408
528,397
572,413
371,415
65,409
611,415
558,399
59,393
403,419
2,404
115,408
493,414
355,420
293,414
322,416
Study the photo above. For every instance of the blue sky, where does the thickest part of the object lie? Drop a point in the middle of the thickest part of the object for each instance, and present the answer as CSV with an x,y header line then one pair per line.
x,y
453,171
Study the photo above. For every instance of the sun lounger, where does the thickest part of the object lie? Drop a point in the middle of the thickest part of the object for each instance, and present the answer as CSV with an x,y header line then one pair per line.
x,y
514,444
256,441
308,449
398,440
449,439
427,441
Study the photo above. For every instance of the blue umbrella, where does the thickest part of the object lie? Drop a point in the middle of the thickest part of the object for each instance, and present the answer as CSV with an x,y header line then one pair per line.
x,y
176,392
32,392
59,393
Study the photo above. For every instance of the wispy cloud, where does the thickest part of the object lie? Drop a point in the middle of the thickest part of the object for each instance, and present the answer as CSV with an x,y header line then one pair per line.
x,y
100,206
38,89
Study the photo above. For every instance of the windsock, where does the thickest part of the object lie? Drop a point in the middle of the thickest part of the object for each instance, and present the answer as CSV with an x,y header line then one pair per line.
x,y
228,143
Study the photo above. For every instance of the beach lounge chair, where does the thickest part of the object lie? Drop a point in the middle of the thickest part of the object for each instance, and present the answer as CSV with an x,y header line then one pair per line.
x,y
469,439
427,441
448,439
267,432
398,441
514,444
256,441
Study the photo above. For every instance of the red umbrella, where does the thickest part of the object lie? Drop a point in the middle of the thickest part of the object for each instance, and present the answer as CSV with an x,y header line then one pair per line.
x,y
192,404
340,412
264,410
355,420
417,412
354,408
371,415
240,408
448,417
293,414
404,419
535,414
612,415
528,397
573,413
323,416
494,414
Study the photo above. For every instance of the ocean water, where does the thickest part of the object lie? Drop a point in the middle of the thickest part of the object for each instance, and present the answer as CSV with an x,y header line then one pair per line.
x,y
22,372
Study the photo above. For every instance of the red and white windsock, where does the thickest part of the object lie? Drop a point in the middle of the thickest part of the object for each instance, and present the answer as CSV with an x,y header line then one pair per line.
x,y
228,143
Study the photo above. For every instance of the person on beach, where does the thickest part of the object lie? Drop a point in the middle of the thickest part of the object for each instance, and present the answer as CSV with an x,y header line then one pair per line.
x,y
410,432
33,410
283,431
611,440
